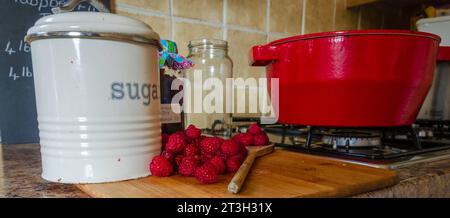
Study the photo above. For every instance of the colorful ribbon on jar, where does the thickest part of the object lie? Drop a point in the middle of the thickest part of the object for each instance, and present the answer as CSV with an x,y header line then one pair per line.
x,y
170,58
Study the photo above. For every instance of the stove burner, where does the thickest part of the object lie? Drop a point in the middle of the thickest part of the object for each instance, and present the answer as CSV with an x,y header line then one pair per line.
x,y
365,144
351,139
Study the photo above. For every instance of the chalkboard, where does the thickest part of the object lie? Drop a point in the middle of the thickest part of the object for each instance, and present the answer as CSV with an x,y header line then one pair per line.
x,y
18,122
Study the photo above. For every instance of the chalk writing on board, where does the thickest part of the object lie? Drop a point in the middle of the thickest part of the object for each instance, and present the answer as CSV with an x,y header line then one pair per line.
x,y
40,4
22,72
12,47
15,47
44,6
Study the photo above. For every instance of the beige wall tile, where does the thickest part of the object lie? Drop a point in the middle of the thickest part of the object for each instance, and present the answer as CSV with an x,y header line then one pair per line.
x,y
199,9
286,16
345,19
160,25
319,16
250,13
184,32
240,44
272,37
156,5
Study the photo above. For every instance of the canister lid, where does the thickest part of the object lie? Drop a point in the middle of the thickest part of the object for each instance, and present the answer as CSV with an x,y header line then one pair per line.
x,y
93,25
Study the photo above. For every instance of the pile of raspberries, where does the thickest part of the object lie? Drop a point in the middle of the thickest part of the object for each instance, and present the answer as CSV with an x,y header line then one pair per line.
x,y
203,157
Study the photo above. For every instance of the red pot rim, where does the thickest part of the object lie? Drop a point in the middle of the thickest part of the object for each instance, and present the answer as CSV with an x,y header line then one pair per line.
x,y
356,33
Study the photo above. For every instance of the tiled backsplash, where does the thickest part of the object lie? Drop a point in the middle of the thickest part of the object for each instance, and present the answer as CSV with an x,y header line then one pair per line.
x,y
244,23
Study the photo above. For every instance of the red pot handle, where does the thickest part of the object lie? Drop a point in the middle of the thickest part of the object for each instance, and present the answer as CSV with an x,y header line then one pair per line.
x,y
444,53
263,55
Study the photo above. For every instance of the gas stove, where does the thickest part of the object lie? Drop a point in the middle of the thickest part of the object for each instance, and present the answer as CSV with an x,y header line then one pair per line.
x,y
389,148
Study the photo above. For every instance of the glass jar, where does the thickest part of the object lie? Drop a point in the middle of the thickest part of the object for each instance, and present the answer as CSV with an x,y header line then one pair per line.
x,y
171,65
211,65
171,122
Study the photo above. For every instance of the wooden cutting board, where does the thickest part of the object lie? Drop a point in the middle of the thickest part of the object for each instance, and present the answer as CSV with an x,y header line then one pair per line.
x,y
280,174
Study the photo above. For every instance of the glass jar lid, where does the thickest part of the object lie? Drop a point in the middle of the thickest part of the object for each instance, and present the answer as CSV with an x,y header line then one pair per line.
x,y
208,43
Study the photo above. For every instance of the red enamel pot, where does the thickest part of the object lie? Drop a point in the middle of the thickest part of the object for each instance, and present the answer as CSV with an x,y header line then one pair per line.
x,y
370,78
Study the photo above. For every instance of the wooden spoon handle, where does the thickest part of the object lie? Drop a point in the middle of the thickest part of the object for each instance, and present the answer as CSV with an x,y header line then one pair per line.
x,y
238,179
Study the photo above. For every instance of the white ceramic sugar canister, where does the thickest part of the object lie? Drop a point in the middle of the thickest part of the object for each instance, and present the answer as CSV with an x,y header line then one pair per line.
x,y
97,93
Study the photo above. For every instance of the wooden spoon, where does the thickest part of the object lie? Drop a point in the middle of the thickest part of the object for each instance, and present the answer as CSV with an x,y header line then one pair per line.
x,y
239,178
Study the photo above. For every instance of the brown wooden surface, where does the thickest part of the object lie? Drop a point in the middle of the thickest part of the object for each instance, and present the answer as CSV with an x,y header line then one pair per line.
x,y
280,174
237,182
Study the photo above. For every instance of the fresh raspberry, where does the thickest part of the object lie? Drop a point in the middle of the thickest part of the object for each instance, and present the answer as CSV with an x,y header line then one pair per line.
x,y
210,145
243,151
191,150
245,139
221,140
237,138
199,159
164,139
261,139
218,163
229,148
193,132
197,141
160,167
254,129
206,157
178,160
187,166
181,134
168,156
233,163
207,174
222,155
176,143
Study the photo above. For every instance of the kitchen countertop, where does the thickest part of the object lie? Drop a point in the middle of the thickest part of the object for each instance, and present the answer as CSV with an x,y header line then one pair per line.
x,y
20,169
421,180
20,175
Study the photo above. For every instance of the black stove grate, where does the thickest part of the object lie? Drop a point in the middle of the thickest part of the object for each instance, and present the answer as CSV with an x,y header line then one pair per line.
x,y
309,139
